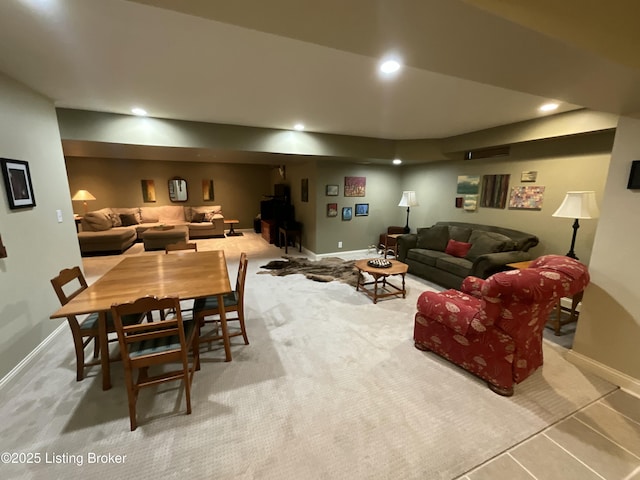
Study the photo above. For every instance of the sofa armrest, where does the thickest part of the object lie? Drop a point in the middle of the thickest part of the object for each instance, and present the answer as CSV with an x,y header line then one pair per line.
x,y
489,263
473,286
405,243
455,310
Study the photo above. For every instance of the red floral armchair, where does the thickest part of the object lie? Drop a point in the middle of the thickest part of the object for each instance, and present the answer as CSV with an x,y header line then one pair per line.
x,y
493,328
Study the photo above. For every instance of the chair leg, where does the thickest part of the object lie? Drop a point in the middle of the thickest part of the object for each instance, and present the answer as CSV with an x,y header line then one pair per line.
x,y
504,391
242,329
132,397
79,347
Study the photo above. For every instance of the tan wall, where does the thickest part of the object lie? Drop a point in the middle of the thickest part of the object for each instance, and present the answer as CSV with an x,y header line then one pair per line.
x,y
116,183
609,327
38,246
573,163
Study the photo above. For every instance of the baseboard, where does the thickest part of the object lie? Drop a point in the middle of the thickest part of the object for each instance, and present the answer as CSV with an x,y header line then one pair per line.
x,y
345,253
24,363
624,381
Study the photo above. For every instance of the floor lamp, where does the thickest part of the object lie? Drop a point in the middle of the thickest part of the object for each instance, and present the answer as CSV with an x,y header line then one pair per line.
x,y
83,196
408,200
577,205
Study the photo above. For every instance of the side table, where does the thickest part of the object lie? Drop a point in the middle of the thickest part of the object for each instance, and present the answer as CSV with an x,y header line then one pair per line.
x,y
232,232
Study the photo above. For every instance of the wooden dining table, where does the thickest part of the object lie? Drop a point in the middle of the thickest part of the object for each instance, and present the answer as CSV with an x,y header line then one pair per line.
x,y
186,275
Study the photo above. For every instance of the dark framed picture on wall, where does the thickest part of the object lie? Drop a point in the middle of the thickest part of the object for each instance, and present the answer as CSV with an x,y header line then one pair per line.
x,y
362,209
17,182
332,209
304,189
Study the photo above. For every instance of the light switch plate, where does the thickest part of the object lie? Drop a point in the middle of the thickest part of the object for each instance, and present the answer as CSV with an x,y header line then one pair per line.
x,y
59,215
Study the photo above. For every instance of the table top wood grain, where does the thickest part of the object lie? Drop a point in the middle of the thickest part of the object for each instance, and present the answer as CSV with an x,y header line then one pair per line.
x,y
186,275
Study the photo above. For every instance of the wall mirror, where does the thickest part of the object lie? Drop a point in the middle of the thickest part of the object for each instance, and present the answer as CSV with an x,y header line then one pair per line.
x,y
178,190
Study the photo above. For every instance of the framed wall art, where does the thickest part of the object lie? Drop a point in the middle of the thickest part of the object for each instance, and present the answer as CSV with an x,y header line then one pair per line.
x,y
355,186
347,213
468,185
332,209
332,190
207,190
17,181
494,191
362,209
148,190
526,198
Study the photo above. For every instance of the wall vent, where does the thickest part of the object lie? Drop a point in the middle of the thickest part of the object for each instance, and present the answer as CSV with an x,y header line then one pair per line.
x,y
487,153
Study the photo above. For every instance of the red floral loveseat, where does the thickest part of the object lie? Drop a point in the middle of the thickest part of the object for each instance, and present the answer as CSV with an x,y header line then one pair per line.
x,y
493,328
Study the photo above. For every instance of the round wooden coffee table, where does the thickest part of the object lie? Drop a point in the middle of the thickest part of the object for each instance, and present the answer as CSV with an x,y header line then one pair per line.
x,y
381,287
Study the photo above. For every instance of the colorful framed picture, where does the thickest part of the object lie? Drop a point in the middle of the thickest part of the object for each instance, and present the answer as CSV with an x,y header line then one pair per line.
x,y
362,209
347,213
332,190
332,209
17,181
468,184
355,186
526,198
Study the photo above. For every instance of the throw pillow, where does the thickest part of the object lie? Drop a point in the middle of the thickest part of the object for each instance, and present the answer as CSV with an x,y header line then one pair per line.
x,y
115,220
457,249
128,219
96,222
433,238
198,217
485,242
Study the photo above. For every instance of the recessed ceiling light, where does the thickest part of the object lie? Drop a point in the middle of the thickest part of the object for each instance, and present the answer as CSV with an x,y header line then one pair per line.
x,y
139,111
397,161
299,127
389,66
548,107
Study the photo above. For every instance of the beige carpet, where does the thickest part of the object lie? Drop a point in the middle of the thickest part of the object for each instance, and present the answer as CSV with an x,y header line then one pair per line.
x,y
330,387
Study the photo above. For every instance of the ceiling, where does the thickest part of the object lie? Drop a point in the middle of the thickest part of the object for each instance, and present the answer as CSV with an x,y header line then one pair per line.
x,y
468,65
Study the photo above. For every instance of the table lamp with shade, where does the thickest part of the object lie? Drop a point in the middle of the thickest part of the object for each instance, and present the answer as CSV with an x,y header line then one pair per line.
x,y
577,205
408,200
83,196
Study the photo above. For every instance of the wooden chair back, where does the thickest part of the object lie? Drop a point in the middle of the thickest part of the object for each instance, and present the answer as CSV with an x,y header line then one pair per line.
x,y
65,278
240,280
157,341
172,247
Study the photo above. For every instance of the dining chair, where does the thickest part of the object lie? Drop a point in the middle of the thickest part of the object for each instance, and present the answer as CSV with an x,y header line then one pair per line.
x,y
173,247
233,302
155,343
68,284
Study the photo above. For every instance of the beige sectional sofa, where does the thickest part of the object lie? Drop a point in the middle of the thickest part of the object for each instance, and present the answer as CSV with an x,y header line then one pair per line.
x,y
116,229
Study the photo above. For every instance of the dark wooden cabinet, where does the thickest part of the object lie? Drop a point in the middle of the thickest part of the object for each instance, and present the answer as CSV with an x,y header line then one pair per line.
x,y
269,231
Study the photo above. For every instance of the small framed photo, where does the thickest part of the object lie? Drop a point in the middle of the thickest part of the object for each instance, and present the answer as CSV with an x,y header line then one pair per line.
x,y
528,176
332,190
332,209
347,213
17,181
362,209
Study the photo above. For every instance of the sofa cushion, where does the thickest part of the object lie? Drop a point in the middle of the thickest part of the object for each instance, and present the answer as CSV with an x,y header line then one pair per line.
x,y
148,216
457,249
210,212
128,210
96,221
460,234
427,257
458,266
198,217
433,238
128,219
487,242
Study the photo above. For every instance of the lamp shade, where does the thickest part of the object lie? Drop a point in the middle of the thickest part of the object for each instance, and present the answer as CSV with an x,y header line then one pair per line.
x,y
578,205
408,199
83,195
